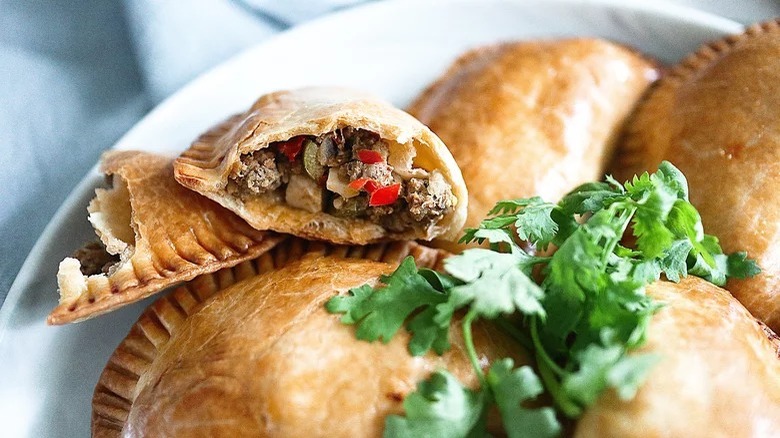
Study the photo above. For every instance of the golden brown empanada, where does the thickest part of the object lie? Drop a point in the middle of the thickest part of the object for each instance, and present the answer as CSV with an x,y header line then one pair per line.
x,y
533,118
264,358
716,116
329,164
718,374
154,233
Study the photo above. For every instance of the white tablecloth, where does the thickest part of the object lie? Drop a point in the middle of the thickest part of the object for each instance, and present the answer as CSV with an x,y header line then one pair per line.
x,y
75,75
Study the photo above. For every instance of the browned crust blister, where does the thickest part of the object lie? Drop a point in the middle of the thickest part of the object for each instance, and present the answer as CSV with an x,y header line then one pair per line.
x,y
205,167
178,236
115,391
632,157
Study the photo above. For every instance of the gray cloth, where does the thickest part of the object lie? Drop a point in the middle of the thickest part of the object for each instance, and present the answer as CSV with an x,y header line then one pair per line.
x,y
75,75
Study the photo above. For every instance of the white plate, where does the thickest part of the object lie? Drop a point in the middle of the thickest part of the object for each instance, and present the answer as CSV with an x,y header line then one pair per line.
x,y
394,49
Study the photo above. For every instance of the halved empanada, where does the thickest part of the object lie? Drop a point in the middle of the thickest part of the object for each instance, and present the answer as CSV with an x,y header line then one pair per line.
x,y
716,116
533,118
718,372
329,164
262,357
153,233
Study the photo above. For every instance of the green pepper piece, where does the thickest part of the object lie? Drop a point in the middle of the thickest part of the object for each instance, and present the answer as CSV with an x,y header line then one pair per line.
x,y
310,162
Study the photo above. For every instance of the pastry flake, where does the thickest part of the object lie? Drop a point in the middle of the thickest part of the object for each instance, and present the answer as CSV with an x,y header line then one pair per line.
x,y
329,164
153,234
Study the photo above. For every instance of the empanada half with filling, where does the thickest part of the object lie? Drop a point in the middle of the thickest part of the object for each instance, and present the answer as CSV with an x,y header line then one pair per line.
x,y
153,233
242,354
716,116
534,118
329,164
717,375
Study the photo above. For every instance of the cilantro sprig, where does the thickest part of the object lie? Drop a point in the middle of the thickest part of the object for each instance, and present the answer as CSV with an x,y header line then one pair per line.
x,y
578,323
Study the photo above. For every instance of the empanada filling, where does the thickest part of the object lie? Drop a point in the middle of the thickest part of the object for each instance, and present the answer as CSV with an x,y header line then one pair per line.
x,y
95,259
346,173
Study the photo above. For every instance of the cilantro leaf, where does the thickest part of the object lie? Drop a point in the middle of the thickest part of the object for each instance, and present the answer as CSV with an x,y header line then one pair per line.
x,y
494,283
739,266
628,373
684,221
590,198
429,331
588,382
513,387
674,263
534,223
492,235
439,280
441,407
380,313
345,304
510,206
602,367
531,218
674,179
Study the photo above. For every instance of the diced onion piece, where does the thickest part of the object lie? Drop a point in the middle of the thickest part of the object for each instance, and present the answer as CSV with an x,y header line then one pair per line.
x,y
401,158
338,185
304,193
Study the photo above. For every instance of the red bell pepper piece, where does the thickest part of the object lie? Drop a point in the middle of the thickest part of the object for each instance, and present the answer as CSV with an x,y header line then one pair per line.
x,y
366,184
370,157
292,147
358,183
371,186
384,195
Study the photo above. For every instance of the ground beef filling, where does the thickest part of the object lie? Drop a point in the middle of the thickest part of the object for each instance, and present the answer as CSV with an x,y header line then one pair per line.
x,y
345,173
94,258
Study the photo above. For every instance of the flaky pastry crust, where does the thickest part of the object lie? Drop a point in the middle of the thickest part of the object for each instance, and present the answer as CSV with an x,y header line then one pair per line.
x,y
162,233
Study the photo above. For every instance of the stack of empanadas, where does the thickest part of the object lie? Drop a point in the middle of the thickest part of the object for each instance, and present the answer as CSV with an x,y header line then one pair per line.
x,y
312,192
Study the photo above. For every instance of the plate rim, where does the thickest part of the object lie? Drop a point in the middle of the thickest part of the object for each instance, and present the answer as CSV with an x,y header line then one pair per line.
x,y
25,275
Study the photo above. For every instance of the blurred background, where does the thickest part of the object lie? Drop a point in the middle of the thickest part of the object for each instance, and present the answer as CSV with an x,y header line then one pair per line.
x,y
75,75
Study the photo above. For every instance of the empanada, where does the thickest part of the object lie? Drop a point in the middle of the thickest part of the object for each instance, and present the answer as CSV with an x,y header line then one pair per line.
x,y
154,233
718,373
534,118
716,116
329,164
264,358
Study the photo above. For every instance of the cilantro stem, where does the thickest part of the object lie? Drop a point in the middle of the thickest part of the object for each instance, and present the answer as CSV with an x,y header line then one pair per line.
x,y
541,353
548,370
609,248
523,339
470,350
569,408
